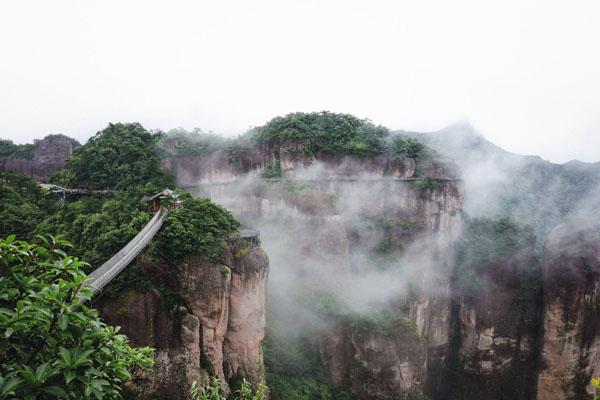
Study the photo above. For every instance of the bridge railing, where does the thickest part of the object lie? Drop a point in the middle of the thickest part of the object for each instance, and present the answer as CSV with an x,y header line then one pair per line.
x,y
102,275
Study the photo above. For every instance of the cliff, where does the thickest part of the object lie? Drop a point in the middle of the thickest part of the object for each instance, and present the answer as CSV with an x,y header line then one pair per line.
x,y
330,226
571,346
46,157
415,302
203,318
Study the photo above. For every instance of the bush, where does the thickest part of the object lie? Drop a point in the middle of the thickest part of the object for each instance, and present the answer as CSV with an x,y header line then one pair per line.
x,y
52,345
212,391
272,170
402,147
9,149
119,157
24,205
426,183
198,226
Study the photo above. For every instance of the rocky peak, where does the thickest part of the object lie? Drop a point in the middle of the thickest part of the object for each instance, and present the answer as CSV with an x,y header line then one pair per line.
x,y
49,155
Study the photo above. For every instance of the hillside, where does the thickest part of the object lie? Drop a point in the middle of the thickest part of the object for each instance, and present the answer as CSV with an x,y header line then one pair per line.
x,y
526,188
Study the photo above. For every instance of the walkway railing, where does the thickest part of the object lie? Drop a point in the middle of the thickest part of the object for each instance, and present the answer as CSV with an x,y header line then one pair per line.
x,y
111,268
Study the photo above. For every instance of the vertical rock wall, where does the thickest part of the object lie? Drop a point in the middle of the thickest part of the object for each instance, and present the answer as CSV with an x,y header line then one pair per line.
x,y
217,331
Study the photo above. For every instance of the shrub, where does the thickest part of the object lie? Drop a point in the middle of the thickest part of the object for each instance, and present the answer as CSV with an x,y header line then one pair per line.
x,y
426,183
118,157
272,170
52,346
198,226
24,205
402,147
212,391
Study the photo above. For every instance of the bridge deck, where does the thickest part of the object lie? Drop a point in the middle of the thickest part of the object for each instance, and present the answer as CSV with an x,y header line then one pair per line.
x,y
111,268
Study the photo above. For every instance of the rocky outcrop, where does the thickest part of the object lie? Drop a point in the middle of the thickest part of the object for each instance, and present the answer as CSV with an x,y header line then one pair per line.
x,y
374,362
513,332
318,225
495,332
215,329
49,155
571,347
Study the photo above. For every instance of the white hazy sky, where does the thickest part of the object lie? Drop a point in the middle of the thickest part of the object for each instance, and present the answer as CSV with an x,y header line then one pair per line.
x,y
524,73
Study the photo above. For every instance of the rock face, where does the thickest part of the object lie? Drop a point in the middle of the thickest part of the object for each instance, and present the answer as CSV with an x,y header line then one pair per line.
x,y
495,333
49,155
517,334
320,223
218,331
571,347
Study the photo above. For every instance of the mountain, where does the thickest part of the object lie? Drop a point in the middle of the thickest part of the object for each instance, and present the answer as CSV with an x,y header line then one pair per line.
x,y
527,188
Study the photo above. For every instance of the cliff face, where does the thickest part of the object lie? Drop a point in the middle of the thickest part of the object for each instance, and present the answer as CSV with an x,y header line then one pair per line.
x,y
49,155
495,332
408,319
216,330
320,224
571,347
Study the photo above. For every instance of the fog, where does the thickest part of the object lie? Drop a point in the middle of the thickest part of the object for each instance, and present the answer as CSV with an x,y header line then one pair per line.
x,y
523,72
346,238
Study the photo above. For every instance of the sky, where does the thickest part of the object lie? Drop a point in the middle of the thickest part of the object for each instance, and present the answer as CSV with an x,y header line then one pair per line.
x,y
524,73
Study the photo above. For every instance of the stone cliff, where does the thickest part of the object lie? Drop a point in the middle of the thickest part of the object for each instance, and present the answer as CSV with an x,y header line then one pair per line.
x,y
571,346
320,221
503,330
215,329
48,156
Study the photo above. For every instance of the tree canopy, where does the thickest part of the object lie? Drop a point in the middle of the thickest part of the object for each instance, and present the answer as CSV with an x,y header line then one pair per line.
x,y
325,133
23,206
118,157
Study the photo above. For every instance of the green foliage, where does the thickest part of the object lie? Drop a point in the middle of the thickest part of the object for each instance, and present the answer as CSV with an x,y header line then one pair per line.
x,y
8,149
99,226
119,157
246,392
321,133
272,170
24,205
52,346
212,391
199,226
294,368
426,183
402,147
179,142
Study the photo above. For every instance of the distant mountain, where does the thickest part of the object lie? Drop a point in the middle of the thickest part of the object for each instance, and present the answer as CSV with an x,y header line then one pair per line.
x,y
527,188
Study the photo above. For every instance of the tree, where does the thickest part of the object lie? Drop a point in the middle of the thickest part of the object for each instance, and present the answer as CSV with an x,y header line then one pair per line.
x,y
24,204
119,157
52,346
324,133
402,147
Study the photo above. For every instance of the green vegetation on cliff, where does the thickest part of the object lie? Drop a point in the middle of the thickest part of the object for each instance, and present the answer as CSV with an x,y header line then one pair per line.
x,y
324,133
9,149
52,346
402,147
310,134
119,157
24,205
198,226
